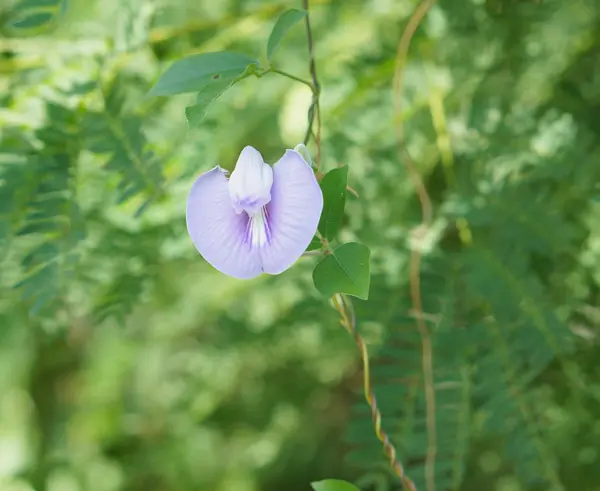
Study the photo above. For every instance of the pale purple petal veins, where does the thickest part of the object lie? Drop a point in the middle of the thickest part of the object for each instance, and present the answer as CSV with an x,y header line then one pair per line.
x,y
260,220
217,231
292,214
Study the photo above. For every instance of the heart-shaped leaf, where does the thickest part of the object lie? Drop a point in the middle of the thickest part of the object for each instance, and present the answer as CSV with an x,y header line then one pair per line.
x,y
346,270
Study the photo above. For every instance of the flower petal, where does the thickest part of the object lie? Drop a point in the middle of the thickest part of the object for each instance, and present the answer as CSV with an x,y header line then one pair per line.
x,y
250,182
217,231
294,211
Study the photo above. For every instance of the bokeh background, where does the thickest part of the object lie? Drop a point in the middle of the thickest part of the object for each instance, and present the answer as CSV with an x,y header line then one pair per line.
x,y
129,364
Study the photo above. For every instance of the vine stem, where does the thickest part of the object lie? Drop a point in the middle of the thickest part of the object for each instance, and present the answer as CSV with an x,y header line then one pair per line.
x,y
348,320
315,108
293,77
415,258
342,305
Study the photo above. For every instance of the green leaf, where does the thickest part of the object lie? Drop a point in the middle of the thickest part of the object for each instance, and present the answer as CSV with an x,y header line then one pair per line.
x,y
333,186
50,218
195,114
315,244
122,140
207,95
35,4
196,72
34,16
286,21
333,485
33,21
345,270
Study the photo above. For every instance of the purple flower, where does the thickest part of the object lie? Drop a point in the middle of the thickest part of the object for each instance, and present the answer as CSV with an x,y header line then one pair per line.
x,y
261,219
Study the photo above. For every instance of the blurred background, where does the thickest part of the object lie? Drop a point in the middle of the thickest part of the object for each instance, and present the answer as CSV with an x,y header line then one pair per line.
x,y
127,363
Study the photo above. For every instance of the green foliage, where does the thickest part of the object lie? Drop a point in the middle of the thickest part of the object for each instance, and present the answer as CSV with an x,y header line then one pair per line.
x,y
315,244
206,96
118,136
123,355
333,186
50,220
333,485
404,405
31,17
197,72
345,270
284,23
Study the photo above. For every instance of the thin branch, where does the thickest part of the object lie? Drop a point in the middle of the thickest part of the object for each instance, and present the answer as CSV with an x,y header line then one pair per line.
x,y
289,75
311,51
342,305
415,261
311,118
401,55
348,320
315,108
352,191
318,139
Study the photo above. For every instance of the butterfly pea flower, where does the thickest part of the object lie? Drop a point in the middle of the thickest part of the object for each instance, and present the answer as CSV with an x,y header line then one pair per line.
x,y
260,219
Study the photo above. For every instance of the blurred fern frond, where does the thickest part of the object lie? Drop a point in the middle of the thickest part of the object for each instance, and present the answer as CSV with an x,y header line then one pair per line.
x,y
118,136
399,385
45,212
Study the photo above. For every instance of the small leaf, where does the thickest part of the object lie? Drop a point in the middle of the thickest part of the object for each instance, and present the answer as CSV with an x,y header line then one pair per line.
x,y
285,22
195,72
333,485
345,270
33,21
333,186
211,92
33,4
196,113
315,244
127,153
81,88
35,16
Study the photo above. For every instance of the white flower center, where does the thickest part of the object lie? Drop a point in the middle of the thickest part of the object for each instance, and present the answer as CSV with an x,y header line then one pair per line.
x,y
259,231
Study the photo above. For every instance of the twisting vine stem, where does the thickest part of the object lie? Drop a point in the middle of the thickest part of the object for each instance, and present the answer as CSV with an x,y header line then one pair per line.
x,y
415,260
343,305
348,320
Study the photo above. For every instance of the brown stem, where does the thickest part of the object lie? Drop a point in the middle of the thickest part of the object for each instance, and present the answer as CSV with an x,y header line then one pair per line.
x,y
415,261
348,320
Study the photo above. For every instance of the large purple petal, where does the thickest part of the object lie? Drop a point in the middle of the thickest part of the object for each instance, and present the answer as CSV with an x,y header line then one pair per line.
x,y
293,213
217,231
